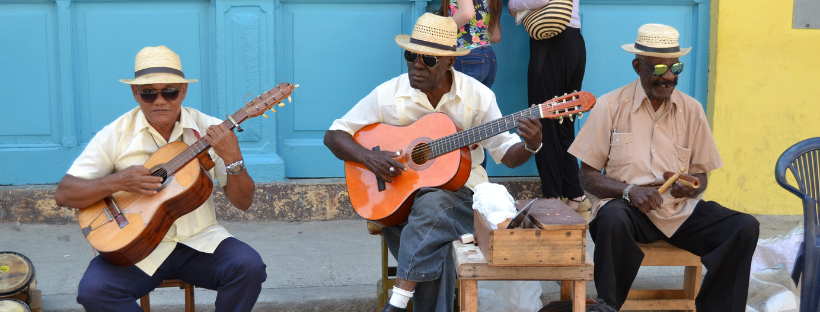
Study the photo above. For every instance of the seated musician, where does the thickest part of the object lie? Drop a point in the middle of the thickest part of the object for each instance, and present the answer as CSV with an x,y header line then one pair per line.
x,y
421,244
635,134
207,255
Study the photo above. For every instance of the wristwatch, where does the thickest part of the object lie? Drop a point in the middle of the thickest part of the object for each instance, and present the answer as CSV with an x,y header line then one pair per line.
x,y
237,167
531,151
626,193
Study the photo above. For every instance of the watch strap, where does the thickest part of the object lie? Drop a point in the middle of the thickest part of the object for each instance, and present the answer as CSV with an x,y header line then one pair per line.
x,y
625,195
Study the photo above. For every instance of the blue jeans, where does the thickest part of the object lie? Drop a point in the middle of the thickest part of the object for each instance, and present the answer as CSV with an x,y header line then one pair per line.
x,y
422,245
235,270
479,64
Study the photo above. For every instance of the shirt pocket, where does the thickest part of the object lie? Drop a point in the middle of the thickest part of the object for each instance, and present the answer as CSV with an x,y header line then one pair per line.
x,y
683,155
620,149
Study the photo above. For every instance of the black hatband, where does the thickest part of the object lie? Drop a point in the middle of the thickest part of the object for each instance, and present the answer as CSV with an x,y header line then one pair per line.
x,y
432,44
658,50
154,70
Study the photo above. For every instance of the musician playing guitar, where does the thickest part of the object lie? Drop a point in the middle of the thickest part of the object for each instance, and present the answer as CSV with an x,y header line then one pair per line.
x,y
207,255
422,244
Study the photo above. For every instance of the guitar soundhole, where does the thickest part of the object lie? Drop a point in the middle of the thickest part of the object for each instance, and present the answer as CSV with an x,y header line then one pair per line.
x,y
160,171
421,153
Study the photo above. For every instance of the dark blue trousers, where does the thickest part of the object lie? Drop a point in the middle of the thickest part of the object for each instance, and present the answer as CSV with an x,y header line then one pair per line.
x,y
235,270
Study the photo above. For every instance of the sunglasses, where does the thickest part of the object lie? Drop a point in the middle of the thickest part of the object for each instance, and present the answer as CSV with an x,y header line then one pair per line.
x,y
429,60
150,95
660,69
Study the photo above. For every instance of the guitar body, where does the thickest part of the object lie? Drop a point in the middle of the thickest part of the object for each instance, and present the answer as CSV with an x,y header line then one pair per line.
x,y
149,217
391,206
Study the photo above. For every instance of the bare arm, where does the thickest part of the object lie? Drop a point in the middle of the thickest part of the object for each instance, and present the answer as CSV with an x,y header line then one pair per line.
x,y
495,34
79,193
379,162
239,188
465,12
529,129
593,181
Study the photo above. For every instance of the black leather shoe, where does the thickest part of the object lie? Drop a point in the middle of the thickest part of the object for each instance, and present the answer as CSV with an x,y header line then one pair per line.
x,y
390,308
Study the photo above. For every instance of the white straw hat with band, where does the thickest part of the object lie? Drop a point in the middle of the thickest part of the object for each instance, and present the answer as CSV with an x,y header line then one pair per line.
x,y
157,65
433,35
656,40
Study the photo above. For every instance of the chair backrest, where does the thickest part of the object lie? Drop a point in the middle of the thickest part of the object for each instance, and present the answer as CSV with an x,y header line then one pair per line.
x,y
803,159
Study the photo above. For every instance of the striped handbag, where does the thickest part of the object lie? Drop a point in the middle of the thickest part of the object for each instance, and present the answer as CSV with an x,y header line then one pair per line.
x,y
551,20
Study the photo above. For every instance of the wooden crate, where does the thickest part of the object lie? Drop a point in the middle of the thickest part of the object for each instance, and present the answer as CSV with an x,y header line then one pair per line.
x,y
560,241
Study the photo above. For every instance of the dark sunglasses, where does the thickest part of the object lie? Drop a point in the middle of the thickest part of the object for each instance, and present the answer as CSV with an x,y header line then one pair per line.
x,y
660,69
429,60
150,95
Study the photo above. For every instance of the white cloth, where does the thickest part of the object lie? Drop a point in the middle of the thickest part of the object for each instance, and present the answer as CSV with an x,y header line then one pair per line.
x,y
469,103
130,140
523,5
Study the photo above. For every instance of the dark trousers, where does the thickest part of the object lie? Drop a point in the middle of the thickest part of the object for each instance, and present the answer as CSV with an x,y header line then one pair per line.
x,y
557,67
724,239
235,270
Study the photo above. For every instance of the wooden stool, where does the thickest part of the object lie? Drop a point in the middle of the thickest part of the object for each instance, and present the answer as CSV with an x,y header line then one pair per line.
x,y
472,267
661,253
145,301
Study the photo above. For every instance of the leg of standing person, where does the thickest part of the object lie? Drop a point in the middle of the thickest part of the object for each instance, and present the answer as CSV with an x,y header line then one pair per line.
x,y
556,65
421,245
725,240
616,230
235,270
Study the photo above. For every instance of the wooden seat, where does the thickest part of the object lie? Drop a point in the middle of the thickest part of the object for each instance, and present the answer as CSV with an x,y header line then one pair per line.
x,y
190,306
661,253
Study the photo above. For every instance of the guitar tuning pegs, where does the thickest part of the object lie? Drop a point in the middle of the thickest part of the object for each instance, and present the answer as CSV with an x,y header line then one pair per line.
x,y
561,120
281,104
290,100
295,86
565,94
263,115
570,117
273,110
580,115
574,91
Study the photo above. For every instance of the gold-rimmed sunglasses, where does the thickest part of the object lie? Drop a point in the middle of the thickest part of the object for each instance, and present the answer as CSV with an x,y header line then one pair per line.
x,y
660,69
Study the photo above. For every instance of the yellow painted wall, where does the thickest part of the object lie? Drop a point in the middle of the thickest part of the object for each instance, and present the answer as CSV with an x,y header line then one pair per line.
x,y
765,97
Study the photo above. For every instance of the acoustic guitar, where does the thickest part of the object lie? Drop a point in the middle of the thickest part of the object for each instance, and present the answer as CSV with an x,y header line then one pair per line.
x,y
126,227
436,153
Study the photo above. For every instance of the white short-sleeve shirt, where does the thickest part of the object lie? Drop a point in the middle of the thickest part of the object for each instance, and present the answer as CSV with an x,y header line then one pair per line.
x,y
130,140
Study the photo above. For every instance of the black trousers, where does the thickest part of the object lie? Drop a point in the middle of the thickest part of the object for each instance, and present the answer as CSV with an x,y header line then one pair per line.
x,y
557,67
724,239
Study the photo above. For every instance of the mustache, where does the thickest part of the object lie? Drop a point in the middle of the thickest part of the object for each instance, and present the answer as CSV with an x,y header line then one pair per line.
x,y
668,82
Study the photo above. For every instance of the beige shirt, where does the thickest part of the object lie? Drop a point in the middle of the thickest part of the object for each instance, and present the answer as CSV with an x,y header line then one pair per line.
x,y
469,103
129,141
635,144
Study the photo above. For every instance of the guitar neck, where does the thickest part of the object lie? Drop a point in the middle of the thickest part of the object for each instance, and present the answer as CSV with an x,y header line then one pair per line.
x,y
195,149
476,134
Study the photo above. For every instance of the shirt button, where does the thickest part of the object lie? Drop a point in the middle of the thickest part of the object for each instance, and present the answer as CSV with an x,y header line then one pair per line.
x,y
656,126
653,150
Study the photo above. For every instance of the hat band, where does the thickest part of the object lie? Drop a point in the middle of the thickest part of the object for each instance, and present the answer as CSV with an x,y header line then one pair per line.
x,y
432,44
154,70
657,50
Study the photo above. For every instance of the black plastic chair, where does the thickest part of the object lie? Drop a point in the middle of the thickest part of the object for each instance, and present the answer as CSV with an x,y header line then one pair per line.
x,y
803,159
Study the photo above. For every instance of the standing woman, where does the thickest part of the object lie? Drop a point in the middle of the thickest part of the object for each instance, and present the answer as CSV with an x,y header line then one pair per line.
x,y
556,67
479,25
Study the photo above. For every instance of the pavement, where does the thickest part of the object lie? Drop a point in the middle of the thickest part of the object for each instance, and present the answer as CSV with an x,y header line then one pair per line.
x,y
311,266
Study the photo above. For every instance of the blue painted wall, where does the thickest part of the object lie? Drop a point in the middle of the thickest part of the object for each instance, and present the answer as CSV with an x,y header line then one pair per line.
x,y
63,60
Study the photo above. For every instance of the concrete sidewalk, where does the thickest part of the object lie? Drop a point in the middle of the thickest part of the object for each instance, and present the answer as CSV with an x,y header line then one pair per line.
x,y
312,266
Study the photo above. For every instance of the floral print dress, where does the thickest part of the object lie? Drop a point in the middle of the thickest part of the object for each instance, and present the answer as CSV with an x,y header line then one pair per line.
x,y
476,33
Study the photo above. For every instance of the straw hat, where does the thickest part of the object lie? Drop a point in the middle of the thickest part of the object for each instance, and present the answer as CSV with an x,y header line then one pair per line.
x,y
656,40
157,65
433,35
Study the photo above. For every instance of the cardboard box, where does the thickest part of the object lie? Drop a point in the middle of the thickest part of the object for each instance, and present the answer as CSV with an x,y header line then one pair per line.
x,y
560,239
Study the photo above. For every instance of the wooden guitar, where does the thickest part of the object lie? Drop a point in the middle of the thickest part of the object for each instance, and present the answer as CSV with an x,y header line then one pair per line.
x,y
436,154
126,227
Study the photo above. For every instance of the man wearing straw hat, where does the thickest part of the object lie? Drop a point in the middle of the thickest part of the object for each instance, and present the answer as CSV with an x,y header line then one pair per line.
x,y
635,134
421,245
196,249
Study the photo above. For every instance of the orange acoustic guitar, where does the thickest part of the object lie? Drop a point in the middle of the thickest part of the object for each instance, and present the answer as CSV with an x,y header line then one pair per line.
x,y
126,227
436,154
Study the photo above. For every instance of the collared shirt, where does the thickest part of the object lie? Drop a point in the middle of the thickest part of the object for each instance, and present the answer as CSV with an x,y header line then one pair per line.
x,y
131,140
469,103
635,144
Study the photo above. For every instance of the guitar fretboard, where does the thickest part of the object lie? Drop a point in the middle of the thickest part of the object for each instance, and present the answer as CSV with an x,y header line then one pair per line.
x,y
475,134
192,151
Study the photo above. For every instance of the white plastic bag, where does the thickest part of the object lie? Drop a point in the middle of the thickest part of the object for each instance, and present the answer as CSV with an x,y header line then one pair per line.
x,y
776,250
494,202
509,296
772,290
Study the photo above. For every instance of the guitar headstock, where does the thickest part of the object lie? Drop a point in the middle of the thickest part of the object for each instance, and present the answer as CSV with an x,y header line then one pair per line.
x,y
567,105
266,101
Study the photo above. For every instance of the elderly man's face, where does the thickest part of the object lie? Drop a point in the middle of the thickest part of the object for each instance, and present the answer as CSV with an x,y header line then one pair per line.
x,y
427,78
656,87
160,102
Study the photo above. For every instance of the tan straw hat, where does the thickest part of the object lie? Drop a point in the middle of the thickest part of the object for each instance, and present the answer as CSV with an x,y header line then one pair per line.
x,y
157,65
656,40
433,35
